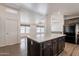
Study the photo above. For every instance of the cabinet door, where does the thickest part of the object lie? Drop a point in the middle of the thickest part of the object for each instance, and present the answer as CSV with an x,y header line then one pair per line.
x,y
54,46
28,47
59,44
11,31
47,48
78,39
63,43
33,48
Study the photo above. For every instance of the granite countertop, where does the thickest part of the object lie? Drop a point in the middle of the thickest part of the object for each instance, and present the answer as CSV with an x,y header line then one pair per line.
x,y
45,38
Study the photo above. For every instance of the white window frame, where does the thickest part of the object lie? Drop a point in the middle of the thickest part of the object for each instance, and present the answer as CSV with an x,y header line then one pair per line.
x,y
25,30
40,34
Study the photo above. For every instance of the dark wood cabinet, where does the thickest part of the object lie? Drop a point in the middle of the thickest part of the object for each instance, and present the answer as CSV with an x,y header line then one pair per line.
x,y
55,47
33,48
61,44
77,38
46,48
51,47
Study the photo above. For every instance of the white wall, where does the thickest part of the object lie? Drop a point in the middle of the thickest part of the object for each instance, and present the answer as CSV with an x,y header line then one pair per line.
x,y
28,17
31,18
25,17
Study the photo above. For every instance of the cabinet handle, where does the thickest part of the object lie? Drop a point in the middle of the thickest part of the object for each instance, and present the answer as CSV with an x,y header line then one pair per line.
x,y
31,42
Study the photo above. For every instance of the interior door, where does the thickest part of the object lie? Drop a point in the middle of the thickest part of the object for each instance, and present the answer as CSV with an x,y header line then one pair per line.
x,y
11,31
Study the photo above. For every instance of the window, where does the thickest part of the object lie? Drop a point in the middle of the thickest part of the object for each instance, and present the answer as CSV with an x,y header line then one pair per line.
x,y
40,32
38,35
40,29
57,22
22,30
25,29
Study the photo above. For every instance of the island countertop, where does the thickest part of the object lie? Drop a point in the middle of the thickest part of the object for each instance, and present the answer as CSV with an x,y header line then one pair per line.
x,y
45,38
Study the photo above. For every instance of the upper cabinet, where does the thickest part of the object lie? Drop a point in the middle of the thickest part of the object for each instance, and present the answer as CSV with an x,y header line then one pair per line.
x,y
57,22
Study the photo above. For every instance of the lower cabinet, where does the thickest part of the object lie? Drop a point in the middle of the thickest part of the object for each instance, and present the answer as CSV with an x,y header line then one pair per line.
x,y
78,39
33,48
55,47
48,48
61,44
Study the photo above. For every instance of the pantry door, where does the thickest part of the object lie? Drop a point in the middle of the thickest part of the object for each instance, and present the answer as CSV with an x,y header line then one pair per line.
x,y
11,31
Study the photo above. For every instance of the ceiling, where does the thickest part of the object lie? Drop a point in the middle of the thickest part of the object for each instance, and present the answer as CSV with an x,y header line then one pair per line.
x,y
35,7
68,9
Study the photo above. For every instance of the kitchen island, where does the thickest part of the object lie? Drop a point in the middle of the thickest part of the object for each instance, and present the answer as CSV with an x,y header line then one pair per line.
x,y
45,46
